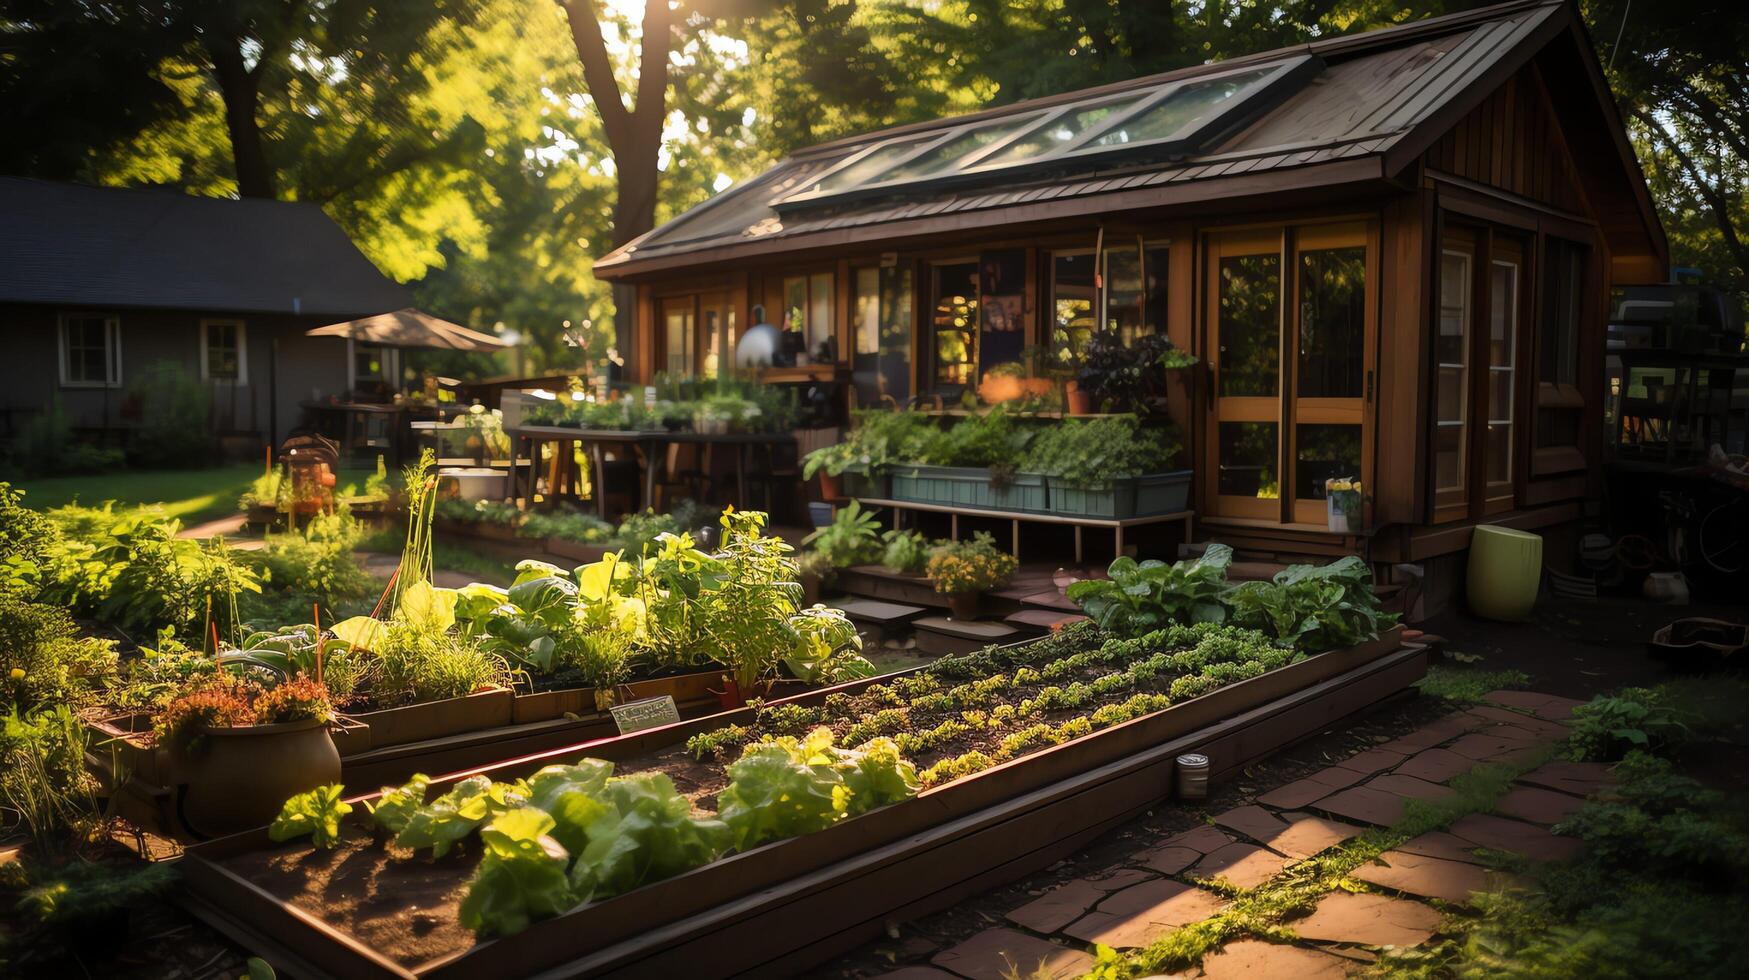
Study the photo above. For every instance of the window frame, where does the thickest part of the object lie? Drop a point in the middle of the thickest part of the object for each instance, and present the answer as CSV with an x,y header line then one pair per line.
x,y
206,325
1452,503
933,383
112,351
1563,396
809,279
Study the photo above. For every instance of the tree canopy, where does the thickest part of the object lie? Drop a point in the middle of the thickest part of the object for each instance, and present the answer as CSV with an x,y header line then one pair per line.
x,y
485,150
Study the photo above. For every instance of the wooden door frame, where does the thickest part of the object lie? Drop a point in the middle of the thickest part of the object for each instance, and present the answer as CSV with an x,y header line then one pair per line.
x,y
1287,241
1217,245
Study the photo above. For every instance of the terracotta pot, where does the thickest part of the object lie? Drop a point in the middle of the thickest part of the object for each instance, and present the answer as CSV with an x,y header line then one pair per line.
x,y
1080,402
831,487
964,605
238,778
731,695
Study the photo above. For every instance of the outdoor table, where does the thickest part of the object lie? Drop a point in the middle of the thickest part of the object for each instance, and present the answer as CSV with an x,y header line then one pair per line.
x,y
648,443
1117,526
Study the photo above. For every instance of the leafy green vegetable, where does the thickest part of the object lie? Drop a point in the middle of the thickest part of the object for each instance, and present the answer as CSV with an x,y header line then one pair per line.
x,y
396,807
316,813
454,815
786,787
522,875
572,795
1145,596
644,832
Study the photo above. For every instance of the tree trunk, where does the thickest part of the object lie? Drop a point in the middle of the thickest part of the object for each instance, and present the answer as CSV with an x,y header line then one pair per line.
x,y
241,91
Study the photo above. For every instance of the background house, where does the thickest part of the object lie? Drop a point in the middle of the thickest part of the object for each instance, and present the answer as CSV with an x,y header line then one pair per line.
x,y
98,284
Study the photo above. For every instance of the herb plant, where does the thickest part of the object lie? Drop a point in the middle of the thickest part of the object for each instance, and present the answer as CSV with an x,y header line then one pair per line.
x,y
316,814
853,537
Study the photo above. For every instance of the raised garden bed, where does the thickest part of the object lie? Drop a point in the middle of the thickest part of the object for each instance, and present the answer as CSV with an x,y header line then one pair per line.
x,y
436,719
778,907
691,692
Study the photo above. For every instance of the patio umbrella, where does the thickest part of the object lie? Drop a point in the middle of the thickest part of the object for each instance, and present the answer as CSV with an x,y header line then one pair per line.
x,y
411,328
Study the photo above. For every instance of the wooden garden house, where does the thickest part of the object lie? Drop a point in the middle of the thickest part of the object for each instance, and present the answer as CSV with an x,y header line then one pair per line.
x,y
1392,253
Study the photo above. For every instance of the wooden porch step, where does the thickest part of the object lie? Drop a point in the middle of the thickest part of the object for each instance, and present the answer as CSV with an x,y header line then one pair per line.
x,y
944,636
1045,620
884,614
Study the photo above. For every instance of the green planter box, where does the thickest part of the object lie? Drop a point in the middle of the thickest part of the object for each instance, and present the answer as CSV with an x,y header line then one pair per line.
x,y
1124,497
969,486
858,482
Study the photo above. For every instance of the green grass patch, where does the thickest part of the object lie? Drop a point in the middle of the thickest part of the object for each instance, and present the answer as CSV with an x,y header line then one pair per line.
x,y
191,496
1467,685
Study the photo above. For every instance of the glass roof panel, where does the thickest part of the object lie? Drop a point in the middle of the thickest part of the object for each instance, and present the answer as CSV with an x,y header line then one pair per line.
x,y
1186,108
859,172
1059,132
948,155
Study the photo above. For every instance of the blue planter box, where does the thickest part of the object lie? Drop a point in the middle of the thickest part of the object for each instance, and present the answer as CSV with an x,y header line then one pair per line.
x,y
1124,497
969,486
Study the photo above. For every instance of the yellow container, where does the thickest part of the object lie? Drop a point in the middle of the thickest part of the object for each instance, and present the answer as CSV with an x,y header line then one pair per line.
x,y
1506,568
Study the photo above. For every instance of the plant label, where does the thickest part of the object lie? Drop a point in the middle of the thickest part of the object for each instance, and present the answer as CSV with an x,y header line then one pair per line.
x,y
635,716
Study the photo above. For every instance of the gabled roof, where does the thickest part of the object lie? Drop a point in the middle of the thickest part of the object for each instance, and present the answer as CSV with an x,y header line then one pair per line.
x,y
106,247
1366,108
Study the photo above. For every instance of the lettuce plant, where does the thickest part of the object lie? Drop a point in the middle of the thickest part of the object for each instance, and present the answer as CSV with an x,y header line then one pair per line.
x,y
786,787
396,806
521,877
451,817
643,831
317,813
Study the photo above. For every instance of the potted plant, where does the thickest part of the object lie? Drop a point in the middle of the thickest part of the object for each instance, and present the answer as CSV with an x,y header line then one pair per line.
x,y
972,464
1119,377
853,538
964,570
239,750
1342,497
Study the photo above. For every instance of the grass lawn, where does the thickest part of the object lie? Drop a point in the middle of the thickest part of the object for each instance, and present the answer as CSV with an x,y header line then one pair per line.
x,y
193,496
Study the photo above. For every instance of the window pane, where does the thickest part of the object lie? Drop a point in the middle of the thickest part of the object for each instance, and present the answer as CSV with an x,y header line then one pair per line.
x,y
955,322
795,305
1123,292
1332,322
868,310
1500,453
1157,270
897,327
1324,452
1248,460
1250,326
1448,457
711,337
677,342
1072,320
819,311
1059,132
948,155
867,167
1191,104
1001,301
1558,345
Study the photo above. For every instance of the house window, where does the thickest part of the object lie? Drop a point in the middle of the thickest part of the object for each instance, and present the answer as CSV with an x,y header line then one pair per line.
x,y
678,337
1451,394
1072,297
1560,403
223,354
90,350
954,323
807,308
1135,291
1502,359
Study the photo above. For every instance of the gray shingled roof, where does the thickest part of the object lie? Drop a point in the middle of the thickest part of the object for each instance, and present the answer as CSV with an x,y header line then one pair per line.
x,y
73,244
1373,92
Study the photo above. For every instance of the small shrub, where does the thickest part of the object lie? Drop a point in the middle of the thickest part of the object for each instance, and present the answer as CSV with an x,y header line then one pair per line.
x,y
221,701
299,699
1609,726
175,418
970,566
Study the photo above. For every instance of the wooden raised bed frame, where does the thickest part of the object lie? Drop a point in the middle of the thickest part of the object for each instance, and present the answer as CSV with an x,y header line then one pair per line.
x,y
785,905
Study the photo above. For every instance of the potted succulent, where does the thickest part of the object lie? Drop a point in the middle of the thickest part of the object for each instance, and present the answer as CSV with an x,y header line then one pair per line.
x,y
239,750
964,570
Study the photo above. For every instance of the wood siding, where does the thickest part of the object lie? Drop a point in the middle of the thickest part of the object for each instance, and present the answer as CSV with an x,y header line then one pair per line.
x,y
1513,142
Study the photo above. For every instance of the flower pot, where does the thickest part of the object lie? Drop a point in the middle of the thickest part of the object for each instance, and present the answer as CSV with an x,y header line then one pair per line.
x,y
238,778
1080,402
831,487
964,605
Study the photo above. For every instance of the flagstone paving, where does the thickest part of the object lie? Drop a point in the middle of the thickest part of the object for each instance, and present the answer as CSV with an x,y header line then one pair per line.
x,y
1173,879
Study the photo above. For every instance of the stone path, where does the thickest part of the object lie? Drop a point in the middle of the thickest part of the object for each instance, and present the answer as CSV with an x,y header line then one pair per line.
x,y
1397,900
